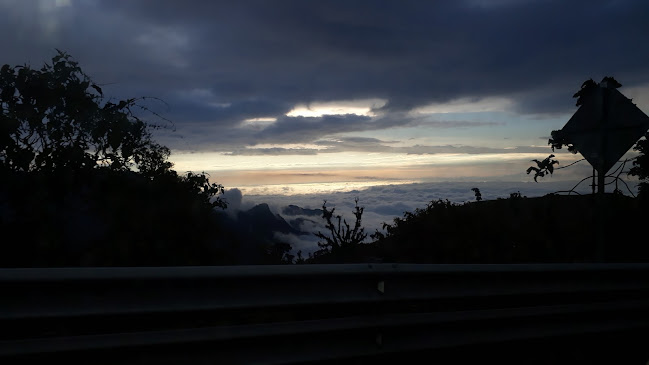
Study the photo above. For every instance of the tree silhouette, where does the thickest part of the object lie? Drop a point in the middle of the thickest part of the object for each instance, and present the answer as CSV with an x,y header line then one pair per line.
x,y
55,118
82,182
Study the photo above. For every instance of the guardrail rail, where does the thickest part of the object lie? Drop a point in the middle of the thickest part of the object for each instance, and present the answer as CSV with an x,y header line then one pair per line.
x,y
320,313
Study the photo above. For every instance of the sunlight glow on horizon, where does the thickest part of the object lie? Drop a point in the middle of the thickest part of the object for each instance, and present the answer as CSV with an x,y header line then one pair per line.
x,y
317,188
324,172
289,175
215,161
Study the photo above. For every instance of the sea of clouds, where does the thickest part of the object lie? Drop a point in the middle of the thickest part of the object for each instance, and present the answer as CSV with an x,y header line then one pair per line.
x,y
385,202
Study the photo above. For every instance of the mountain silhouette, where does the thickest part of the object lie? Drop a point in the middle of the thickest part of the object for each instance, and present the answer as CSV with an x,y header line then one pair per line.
x,y
298,222
260,222
292,210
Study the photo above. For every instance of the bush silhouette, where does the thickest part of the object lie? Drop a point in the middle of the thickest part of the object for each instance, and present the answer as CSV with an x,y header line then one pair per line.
x,y
343,241
552,228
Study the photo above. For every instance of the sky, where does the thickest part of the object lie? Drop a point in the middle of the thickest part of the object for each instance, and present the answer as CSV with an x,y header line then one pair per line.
x,y
294,98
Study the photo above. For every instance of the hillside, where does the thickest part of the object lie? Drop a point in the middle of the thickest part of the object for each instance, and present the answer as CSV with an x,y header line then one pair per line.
x,y
552,228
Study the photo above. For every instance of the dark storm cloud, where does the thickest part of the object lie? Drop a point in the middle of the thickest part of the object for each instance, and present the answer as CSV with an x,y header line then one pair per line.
x,y
254,59
303,129
227,114
274,151
213,136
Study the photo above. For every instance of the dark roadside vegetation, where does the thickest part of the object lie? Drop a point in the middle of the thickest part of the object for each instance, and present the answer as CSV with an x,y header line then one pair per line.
x,y
549,229
83,183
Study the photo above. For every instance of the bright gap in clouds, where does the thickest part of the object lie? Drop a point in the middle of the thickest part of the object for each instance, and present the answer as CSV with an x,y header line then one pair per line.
x,y
466,105
261,120
317,188
318,109
258,123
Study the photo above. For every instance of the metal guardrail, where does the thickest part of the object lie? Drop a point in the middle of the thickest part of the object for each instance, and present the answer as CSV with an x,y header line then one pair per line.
x,y
302,313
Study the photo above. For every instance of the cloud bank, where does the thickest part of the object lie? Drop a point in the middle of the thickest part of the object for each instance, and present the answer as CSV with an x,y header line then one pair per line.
x,y
220,63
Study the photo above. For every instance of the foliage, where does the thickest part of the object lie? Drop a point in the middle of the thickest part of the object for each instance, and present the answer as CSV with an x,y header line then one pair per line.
x,y
342,237
478,195
55,118
199,185
109,218
558,139
515,230
543,167
641,165
288,258
586,90
82,182
410,218
516,195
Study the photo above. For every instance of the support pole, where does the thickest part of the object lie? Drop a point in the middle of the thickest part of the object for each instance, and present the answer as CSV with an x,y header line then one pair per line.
x,y
601,174
594,183
600,203
600,181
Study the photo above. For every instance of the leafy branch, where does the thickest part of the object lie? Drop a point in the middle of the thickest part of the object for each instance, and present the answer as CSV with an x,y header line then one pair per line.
x,y
543,167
